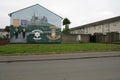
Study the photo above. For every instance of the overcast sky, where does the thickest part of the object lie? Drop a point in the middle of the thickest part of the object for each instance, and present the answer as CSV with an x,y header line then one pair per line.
x,y
79,12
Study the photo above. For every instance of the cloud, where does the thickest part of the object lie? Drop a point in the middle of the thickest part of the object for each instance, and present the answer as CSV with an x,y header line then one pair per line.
x,y
78,11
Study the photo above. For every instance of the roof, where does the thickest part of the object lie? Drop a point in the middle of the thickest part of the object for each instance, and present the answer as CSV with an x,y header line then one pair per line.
x,y
98,23
32,6
2,30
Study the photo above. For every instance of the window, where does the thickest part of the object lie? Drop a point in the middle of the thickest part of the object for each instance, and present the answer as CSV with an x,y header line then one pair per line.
x,y
94,27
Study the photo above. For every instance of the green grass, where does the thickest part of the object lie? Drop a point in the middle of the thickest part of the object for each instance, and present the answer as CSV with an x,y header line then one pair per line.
x,y
55,48
117,42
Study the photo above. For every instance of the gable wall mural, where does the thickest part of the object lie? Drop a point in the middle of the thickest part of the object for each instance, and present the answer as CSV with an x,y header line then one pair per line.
x,y
35,24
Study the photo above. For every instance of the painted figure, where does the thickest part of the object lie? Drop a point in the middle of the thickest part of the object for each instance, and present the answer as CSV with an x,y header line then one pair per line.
x,y
16,33
23,32
53,35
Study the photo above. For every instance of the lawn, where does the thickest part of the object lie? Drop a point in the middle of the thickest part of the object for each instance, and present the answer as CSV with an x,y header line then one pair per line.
x,y
55,48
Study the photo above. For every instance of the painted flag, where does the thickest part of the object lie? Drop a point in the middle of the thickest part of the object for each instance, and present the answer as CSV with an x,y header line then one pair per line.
x,y
24,23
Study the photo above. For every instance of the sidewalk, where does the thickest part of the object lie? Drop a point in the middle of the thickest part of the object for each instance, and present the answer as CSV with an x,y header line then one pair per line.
x,y
86,55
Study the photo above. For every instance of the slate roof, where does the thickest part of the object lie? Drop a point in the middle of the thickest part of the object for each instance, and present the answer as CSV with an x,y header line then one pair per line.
x,y
32,6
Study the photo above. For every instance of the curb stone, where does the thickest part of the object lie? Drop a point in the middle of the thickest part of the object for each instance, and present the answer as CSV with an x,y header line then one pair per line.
x,y
52,57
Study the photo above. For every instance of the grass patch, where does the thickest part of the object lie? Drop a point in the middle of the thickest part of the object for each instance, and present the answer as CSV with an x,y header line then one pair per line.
x,y
55,48
117,42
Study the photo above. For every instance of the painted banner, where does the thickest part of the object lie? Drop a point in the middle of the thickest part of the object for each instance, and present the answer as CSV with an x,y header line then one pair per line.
x,y
16,22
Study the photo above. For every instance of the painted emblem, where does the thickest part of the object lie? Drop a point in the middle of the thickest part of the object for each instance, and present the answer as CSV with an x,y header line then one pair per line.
x,y
37,34
53,35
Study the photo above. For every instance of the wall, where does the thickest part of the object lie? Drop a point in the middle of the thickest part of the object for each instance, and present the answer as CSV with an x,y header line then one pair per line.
x,y
102,28
69,39
115,27
39,11
83,38
108,38
76,38
35,24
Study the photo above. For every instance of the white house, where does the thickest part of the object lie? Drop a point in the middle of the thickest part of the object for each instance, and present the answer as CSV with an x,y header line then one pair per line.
x,y
103,26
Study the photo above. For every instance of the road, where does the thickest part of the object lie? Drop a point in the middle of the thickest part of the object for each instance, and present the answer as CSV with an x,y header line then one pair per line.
x,y
77,69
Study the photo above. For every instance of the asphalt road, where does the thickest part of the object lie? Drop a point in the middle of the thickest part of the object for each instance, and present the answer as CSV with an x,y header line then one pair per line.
x,y
79,69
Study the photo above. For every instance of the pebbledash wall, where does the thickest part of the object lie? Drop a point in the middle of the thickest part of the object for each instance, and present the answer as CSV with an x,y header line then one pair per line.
x,y
35,24
104,26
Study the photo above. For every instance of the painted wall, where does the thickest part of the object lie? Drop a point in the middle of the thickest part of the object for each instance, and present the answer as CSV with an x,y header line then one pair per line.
x,y
39,11
35,24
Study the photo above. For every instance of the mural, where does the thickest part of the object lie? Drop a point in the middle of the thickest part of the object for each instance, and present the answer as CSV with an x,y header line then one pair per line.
x,y
36,30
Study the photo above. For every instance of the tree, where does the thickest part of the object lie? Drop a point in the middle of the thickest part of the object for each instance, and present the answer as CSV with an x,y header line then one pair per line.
x,y
66,22
7,28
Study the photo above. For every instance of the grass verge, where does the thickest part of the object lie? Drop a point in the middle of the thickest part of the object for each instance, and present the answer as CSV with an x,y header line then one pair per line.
x,y
55,48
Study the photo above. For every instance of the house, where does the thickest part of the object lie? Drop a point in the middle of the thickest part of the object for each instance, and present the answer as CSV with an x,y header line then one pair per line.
x,y
4,34
33,25
103,26
99,29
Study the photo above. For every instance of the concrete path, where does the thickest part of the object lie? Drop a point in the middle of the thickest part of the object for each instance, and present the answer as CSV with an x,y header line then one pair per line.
x,y
87,55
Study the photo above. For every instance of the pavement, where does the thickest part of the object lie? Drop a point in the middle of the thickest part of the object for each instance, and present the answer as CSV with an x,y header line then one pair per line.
x,y
66,56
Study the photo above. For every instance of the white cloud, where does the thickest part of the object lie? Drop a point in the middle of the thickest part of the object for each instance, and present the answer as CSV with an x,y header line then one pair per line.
x,y
78,11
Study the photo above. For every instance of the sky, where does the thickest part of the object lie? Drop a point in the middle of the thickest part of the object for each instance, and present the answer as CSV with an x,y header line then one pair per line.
x,y
79,12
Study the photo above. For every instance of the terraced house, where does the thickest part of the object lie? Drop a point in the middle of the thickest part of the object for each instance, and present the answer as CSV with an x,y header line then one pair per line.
x,y
103,26
105,31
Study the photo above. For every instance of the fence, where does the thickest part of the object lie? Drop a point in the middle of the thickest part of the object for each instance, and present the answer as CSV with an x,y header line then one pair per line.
x,y
75,38
3,42
69,39
96,38
105,38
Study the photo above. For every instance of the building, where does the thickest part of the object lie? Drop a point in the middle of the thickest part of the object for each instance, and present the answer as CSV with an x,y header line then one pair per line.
x,y
35,24
103,26
4,34
104,31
